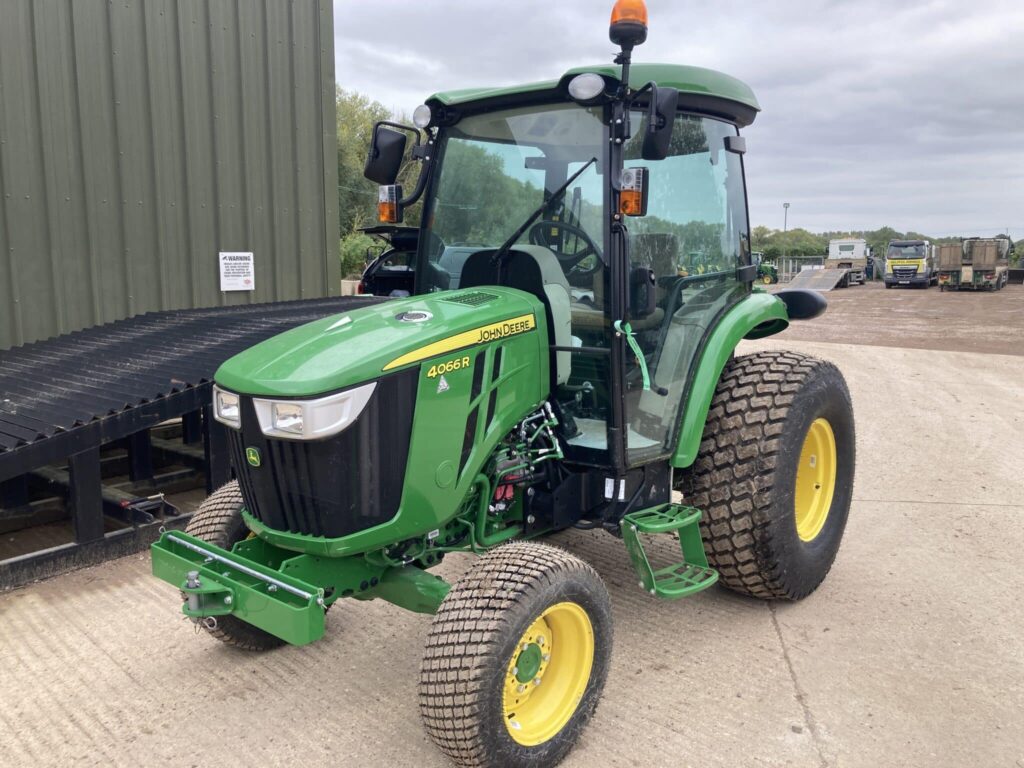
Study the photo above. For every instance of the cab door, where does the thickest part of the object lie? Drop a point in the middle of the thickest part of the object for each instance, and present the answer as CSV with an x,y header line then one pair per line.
x,y
694,238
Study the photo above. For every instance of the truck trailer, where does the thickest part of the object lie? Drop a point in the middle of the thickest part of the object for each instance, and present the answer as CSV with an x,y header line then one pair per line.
x,y
975,264
851,254
910,263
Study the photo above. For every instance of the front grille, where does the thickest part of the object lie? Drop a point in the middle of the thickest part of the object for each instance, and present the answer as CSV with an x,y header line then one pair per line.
x,y
904,273
335,486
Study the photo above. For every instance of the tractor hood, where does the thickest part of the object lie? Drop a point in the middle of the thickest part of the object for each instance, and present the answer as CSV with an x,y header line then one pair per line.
x,y
347,349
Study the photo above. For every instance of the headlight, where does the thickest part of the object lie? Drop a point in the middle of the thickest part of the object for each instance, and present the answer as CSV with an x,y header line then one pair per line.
x,y
312,419
226,408
287,417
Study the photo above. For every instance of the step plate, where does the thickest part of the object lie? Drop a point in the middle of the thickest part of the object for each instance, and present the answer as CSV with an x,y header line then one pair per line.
x,y
674,581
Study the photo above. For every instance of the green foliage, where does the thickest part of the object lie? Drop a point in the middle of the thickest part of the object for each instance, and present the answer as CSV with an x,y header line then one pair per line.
x,y
478,202
357,196
352,250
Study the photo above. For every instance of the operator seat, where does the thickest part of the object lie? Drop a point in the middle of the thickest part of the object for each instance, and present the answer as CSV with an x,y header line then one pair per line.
x,y
534,269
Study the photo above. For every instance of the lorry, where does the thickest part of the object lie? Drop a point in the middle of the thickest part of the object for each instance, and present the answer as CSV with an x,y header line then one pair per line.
x,y
851,254
911,263
974,264
552,369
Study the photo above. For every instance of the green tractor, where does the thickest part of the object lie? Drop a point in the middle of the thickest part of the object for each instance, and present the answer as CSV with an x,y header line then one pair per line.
x,y
552,370
767,273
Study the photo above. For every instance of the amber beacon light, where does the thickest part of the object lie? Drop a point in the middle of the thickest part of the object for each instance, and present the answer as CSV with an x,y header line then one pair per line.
x,y
628,26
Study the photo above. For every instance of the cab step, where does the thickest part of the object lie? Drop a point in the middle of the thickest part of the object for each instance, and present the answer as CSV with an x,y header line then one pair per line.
x,y
674,581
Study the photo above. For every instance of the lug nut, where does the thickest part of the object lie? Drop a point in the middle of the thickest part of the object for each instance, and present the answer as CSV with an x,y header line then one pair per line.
x,y
546,657
515,671
520,688
540,639
536,681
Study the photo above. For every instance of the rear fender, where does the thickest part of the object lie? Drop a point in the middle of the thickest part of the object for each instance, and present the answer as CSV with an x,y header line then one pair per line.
x,y
755,317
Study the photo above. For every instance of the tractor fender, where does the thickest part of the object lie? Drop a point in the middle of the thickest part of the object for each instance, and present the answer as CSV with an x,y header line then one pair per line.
x,y
755,317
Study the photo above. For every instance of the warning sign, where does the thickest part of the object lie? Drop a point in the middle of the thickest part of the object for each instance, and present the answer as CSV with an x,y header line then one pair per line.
x,y
236,271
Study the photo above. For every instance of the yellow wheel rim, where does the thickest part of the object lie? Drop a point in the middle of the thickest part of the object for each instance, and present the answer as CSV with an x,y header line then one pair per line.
x,y
767,280
548,674
815,480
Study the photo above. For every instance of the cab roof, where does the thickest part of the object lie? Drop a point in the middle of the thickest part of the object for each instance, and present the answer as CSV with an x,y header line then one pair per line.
x,y
703,90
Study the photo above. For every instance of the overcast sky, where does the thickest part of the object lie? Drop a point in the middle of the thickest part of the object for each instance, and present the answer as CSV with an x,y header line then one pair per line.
x,y
907,114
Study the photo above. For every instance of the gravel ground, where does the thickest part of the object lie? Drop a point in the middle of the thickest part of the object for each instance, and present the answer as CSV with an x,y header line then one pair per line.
x,y
920,319
910,654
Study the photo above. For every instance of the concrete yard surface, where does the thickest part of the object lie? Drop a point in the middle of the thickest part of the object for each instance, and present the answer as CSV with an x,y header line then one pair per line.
x,y
910,654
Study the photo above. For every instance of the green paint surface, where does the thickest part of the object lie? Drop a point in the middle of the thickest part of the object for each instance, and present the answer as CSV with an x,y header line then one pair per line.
x,y
758,315
353,348
695,80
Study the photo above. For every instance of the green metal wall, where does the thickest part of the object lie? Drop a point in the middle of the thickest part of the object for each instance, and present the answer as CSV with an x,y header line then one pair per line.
x,y
138,138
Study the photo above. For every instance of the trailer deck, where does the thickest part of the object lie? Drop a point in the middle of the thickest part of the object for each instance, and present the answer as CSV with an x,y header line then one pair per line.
x,y
821,279
63,399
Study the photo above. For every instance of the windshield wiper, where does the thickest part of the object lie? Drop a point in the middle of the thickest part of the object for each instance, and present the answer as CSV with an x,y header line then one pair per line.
x,y
500,253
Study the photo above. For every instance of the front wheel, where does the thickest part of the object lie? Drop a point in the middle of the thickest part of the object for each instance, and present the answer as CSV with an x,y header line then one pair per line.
x,y
516,658
774,475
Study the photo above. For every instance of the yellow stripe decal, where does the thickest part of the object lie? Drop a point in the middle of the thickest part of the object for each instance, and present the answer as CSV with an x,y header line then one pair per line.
x,y
481,335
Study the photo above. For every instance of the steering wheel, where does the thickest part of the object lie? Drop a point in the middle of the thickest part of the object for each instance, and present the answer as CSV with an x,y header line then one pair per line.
x,y
540,234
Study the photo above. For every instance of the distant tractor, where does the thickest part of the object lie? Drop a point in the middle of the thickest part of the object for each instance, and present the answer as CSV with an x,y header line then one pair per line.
x,y
974,264
851,254
910,263
552,369
767,273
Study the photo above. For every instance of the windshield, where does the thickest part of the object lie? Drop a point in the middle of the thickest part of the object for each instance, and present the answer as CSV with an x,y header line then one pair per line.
x,y
905,251
496,169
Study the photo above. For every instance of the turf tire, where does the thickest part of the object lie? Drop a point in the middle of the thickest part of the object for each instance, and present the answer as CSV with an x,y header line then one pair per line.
x,y
475,633
219,521
744,475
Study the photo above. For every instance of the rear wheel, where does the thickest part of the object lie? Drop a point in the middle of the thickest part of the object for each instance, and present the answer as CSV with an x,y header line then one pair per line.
x,y
516,658
219,521
774,475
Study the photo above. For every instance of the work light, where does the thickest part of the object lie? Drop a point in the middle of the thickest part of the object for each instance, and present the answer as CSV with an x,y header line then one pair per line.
x,y
586,87
421,116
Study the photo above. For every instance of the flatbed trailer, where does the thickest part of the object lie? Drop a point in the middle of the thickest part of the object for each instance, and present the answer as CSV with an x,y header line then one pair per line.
x,y
974,265
856,269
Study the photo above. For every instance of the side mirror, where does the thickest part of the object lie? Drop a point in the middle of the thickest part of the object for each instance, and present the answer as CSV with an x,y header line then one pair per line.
x,y
661,118
384,159
643,299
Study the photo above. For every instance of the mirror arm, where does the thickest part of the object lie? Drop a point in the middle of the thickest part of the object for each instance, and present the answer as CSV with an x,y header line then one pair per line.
x,y
422,153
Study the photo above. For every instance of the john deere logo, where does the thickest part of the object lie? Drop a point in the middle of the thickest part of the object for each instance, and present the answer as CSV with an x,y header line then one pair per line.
x,y
252,455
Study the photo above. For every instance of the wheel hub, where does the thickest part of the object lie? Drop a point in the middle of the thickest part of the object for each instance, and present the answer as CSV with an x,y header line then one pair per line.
x,y
815,480
548,674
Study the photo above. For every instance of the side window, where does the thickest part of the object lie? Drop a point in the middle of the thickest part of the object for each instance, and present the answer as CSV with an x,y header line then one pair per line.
x,y
693,239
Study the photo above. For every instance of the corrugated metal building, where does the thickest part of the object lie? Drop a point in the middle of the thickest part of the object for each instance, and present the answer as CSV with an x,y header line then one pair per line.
x,y
140,138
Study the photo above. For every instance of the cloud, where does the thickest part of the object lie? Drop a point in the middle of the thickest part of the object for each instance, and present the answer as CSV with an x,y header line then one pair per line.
x,y
907,114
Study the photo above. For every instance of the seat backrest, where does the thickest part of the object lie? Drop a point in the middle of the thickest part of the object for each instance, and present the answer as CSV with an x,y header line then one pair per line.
x,y
534,269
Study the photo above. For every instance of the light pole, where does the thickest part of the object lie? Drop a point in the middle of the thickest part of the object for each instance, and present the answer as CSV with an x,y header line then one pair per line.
x,y
785,223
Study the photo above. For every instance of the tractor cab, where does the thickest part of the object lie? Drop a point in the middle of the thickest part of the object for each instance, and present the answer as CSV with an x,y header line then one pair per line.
x,y
617,197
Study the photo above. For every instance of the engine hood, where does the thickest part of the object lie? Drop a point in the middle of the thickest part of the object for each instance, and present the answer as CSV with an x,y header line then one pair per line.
x,y
361,345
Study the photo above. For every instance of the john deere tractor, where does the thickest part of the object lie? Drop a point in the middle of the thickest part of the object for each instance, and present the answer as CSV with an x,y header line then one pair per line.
x,y
552,369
